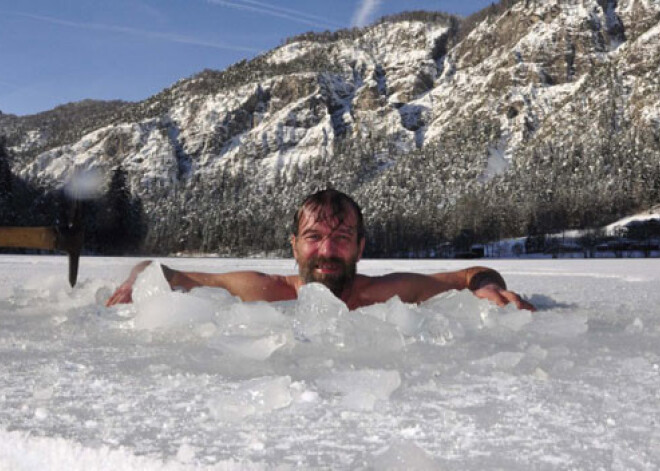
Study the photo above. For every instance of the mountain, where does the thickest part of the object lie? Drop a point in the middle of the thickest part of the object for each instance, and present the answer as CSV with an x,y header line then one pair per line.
x,y
526,117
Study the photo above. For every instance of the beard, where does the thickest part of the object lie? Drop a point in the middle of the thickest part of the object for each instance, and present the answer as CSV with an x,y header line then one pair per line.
x,y
335,282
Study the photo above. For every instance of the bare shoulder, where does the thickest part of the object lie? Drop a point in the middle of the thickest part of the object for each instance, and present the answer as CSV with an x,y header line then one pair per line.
x,y
266,287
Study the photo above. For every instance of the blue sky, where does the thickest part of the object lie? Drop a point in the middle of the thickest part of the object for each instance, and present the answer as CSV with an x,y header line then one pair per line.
x,y
57,51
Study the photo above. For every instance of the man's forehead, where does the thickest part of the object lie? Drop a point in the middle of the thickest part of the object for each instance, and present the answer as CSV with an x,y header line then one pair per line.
x,y
324,216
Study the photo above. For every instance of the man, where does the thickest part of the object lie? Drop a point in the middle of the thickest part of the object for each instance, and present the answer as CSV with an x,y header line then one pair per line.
x,y
327,241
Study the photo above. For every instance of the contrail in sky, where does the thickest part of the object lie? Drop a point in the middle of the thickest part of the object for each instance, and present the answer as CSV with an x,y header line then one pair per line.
x,y
363,13
287,10
171,37
277,11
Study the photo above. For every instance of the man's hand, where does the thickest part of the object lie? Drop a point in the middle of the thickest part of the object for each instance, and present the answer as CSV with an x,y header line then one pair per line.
x,y
123,294
500,296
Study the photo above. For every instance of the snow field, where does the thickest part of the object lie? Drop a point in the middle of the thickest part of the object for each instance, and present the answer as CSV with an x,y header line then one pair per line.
x,y
204,381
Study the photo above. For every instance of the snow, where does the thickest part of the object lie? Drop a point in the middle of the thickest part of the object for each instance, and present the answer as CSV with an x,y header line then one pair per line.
x,y
204,381
292,51
649,35
652,214
34,138
497,162
150,152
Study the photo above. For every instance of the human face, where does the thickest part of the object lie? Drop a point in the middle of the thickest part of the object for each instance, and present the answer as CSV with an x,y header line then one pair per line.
x,y
327,250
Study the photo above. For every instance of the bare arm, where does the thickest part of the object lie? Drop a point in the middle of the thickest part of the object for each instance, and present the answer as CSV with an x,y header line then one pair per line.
x,y
248,285
124,294
484,282
487,283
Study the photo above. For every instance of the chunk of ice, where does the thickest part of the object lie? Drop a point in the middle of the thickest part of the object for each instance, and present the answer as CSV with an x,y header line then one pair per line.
x,y
151,282
186,453
500,360
439,329
256,348
463,306
406,317
321,318
378,383
403,456
359,400
221,297
317,312
172,310
251,330
363,336
255,396
256,319
515,319
540,374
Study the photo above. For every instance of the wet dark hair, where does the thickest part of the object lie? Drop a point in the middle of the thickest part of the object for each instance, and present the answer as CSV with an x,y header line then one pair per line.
x,y
339,204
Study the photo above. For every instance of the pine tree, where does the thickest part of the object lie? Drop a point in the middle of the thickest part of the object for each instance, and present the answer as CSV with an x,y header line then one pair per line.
x,y
7,215
120,225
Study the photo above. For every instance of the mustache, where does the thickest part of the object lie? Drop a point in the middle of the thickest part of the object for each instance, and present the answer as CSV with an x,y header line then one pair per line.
x,y
316,261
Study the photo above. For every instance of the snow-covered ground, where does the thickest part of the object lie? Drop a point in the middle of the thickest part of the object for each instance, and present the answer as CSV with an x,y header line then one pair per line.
x,y
201,381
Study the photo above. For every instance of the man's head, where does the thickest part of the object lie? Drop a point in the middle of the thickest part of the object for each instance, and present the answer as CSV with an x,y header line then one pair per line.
x,y
328,239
